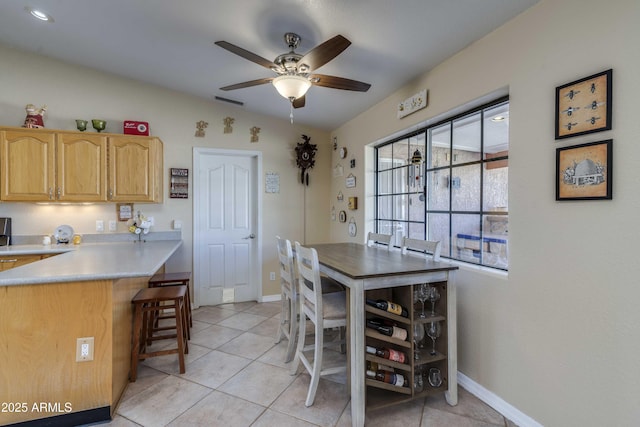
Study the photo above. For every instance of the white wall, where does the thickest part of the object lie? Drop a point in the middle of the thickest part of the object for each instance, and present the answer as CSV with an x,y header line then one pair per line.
x,y
72,93
559,337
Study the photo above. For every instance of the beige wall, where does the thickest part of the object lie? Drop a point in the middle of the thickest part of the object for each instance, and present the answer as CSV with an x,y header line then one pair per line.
x,y
72,92
559,337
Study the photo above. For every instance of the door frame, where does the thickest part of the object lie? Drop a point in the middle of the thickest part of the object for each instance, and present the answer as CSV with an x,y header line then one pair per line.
x,y
256,156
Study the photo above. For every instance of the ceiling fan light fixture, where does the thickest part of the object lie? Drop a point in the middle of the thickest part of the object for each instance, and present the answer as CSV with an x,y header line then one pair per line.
x,y
291,86
38,14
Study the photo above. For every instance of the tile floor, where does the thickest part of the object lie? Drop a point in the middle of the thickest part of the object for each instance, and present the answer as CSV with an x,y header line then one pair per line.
x,y
236,377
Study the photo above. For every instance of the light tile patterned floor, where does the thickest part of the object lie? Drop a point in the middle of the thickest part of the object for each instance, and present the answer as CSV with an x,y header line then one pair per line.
x,y
236,377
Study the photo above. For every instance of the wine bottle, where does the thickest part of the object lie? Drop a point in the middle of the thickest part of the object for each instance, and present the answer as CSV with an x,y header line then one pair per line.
x,y
387,377
388,353
389,306
388,330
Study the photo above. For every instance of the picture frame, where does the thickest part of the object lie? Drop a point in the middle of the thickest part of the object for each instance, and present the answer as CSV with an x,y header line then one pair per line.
x,y
584,106
583,172
124,211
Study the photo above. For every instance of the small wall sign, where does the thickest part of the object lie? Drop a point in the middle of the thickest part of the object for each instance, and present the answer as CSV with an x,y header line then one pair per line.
x,y
179,183
350,182
272,182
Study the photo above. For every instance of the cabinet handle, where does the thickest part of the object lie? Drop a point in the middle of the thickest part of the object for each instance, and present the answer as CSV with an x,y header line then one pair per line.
x,y
58,192
50,193
9,260
110,194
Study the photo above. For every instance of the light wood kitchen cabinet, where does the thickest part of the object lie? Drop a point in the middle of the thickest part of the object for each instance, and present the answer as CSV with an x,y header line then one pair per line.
x,y
44,165
11,261
135,169
27,165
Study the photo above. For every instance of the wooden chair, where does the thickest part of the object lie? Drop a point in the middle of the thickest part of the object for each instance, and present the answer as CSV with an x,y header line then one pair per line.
x,y
288,327
373,238
429,247
288,295
148,303
325,311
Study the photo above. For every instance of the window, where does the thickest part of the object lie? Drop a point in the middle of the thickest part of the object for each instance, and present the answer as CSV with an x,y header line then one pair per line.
x,y
449,182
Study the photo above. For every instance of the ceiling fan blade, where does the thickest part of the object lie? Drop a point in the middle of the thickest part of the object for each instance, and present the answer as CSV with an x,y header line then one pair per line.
x,y
248,84
299,102
323,53
246,54
339,83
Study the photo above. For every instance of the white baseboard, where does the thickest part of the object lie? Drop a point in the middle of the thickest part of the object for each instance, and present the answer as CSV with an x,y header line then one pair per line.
x,y
271,298
507,410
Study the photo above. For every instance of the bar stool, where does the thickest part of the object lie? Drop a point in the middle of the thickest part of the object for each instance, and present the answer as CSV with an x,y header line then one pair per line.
x,y
175,279
147,305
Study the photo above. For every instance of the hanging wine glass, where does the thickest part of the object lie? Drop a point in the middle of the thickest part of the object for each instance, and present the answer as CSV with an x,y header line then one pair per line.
x,y
418,382
433,296
435,377
418,336
433,331
423,295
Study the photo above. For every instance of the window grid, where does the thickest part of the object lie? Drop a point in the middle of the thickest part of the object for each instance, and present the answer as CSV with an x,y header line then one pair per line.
x,y
395,216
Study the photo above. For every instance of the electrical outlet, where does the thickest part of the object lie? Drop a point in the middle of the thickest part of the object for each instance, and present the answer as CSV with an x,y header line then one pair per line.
x,y
99,225
177,224
272,275
113,225
84,349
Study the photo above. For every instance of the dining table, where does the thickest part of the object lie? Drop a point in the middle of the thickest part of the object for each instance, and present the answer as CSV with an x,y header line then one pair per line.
x,y
362,268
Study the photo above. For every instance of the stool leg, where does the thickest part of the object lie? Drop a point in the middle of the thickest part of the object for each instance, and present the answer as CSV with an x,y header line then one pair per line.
x,y
135,347
180,334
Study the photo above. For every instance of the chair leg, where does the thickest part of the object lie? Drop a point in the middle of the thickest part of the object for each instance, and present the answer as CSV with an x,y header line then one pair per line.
x,y
302,325
293,330
317,363
284,312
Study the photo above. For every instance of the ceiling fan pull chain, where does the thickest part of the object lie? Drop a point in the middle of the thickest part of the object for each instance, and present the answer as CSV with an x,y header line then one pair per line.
x,y
291,114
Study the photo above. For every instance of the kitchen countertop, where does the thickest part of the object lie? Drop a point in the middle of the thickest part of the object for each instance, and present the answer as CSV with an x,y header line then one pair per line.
x,y
88,261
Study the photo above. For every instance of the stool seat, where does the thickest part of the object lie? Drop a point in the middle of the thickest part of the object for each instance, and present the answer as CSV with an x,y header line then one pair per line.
x,y
148,303
159,294
162,278
174,279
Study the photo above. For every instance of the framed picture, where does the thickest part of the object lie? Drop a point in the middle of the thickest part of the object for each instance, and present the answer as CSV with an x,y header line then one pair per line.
x,y
583,172
179,180
584,106
125,211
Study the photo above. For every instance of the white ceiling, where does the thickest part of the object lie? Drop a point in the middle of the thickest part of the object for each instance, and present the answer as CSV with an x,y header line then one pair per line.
x,y
170,43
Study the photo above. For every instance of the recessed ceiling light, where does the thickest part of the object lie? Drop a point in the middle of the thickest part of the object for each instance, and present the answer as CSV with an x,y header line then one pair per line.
x,y
38,14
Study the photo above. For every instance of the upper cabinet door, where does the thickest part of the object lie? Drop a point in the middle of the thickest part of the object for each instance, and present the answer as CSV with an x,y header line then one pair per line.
x,y
27,165
135,166
82,167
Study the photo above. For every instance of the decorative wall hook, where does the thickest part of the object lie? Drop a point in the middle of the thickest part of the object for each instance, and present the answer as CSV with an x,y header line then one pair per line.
x,y
228,121
201,126
254,133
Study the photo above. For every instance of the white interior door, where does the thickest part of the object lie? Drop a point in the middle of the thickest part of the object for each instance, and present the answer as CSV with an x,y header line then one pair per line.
x,y
226,236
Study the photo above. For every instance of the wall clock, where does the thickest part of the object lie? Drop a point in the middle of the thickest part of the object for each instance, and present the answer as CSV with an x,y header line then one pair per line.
x,y
305,153
353,230
343,152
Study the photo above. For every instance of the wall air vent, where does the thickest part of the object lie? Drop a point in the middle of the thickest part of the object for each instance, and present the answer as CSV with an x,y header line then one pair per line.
x,y
230,101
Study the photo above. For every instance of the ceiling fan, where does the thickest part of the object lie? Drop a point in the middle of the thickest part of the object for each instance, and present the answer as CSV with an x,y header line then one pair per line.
x,y
294,71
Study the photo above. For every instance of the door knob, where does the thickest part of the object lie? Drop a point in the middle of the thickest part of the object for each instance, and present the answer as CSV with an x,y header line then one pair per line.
x,y
250,236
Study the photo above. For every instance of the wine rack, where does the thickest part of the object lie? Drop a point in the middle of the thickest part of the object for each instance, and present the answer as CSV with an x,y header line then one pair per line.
x,y
380,394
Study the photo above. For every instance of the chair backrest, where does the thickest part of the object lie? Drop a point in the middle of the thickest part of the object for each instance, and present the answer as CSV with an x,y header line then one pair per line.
x,y
287,272
384,239
309,284
429,247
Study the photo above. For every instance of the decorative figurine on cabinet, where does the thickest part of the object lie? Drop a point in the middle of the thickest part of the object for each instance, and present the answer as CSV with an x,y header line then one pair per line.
x,y
34,117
